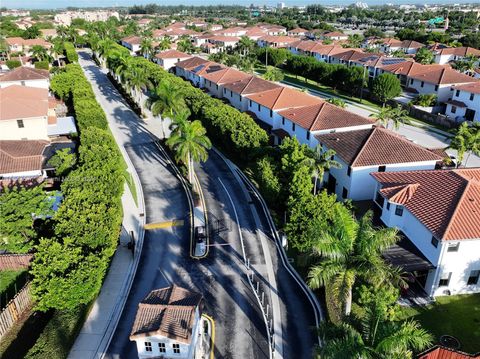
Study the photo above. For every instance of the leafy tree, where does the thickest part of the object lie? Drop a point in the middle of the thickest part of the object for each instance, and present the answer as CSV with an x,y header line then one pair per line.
x,y
40,53
425,100
319,161
467,139
167,100
185,45
146,47
190,145
12,64
386,87
266,173
164,43
273,74
32,32
245,45
374,32
63,160
42,65
337,102
347,250
20,206
424,56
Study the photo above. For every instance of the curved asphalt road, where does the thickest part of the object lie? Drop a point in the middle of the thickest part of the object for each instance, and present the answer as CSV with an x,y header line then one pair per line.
x,y
240,329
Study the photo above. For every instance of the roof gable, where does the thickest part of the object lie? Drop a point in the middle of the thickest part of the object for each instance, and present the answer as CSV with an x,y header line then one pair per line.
x,y
284,97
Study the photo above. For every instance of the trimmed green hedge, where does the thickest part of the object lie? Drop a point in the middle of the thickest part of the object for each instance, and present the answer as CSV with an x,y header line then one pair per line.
x,y
70,52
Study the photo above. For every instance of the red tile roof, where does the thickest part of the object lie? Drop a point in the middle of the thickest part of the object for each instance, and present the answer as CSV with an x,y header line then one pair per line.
x,y
324,116
133,40
439,352
473,87
283,98
441,75
21,156
15,261
23,73
447,202
27,42
17,102
251,85
191,63
374,147
172,54
226,75
278,39
167,312
459,51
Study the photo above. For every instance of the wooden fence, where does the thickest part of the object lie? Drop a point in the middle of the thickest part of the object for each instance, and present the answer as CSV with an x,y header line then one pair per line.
x,y
15,308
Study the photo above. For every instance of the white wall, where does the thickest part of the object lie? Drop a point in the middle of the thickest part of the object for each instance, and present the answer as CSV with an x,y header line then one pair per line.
x,y
44,84
464,96
236,100
34,129
443,92
263,114
26,174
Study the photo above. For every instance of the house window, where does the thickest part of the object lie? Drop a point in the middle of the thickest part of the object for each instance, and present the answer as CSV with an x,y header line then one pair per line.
x,y
22,83
473,278
344,193
388,206
258,107
349,171
162,348
20,124
283,120
216,86
250,103
411,81
148,346
382,168
436,87
422,83
434,242
399,210
457,93
176,348
445,279
224,90
271,113
308,135
231,94
293,127
454,109
472,96
453,247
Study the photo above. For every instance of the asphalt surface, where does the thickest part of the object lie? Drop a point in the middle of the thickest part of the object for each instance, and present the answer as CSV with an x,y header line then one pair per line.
x,y
221,278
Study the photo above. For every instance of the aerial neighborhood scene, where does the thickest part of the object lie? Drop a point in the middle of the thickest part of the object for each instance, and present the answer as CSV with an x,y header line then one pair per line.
x,y
239,180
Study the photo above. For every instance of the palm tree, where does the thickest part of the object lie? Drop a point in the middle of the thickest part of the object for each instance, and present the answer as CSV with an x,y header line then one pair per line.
x,y
185,45
39,53
245,45
56,49
347,250
164,43
62,31
190,145
387,114
467,139
399,116
72,34
121,65
146,47
137,79
167,101
372,337
179,121
320,161
337,102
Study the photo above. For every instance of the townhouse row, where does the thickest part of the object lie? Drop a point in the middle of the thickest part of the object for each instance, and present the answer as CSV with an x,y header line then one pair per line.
x,y
441,254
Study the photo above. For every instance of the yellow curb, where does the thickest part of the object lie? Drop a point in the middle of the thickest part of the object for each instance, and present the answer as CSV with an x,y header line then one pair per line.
x,y
212,322
166,224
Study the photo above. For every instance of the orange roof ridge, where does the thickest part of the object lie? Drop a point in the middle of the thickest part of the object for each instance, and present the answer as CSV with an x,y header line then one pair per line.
x,y
370,136
457,208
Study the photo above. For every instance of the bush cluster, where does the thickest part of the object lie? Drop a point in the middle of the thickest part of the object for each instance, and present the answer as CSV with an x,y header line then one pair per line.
x,y
70,52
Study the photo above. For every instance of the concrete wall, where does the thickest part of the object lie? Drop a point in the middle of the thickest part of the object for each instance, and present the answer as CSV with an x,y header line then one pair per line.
x,y
34,129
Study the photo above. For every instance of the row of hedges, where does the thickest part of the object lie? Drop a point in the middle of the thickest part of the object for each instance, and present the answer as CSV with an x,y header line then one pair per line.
x,y
70,52
69,268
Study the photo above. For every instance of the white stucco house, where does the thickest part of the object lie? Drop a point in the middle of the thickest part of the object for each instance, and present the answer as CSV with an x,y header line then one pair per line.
x,y
26,76
465,103
216,80
444,56
167,324
132,43
363,152
408,47
439,212
169,58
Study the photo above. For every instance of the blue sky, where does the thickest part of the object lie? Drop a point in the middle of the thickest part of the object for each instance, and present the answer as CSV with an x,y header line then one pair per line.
x,y
46,4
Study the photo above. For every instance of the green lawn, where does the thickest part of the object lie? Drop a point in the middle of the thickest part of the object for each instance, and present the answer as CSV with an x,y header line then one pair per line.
x,y
7,277
456,315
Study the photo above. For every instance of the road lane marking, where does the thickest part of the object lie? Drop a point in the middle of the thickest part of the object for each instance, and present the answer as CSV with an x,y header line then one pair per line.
x,y
167,224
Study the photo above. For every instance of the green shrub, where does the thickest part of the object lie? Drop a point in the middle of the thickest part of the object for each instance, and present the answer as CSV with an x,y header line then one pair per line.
x,y
42,65
70,52
12,64
425,100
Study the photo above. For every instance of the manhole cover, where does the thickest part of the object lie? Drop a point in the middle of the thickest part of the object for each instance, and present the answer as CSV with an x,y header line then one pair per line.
x,y
450,342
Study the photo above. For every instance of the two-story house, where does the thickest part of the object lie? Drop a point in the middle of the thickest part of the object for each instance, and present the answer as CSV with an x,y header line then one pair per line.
x,y
279,41
167,324
362,152
465,102
19,45
168,58
444,56
215,81
132,43
439,212
26,76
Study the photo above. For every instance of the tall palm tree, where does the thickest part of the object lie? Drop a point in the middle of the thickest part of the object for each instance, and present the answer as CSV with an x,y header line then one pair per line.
x,y
190,145
383,116
179,121
146,47
72,34
62,31
467,139
40,53
185,45
137,80
245,45
167,101
320,161
399,116
56,50
121,65
347,250
165,43
371,337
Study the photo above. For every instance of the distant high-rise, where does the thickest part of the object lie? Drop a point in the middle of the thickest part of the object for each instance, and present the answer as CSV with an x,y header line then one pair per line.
x,y
281,5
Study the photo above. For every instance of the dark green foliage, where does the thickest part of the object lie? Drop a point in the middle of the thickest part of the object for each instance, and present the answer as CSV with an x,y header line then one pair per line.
x,y
63,161
11,64
385,87
70,52
43,65
268,181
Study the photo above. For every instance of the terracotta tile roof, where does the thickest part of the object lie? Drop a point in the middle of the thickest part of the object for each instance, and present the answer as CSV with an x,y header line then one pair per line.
x,y
255,31
207,68
297,30
447,202
473,87
23,73
278,39
324,116
405,68
21,156
283,98
441,75
438,352
304,45
17,102
220,38
328,49
226,75
459,51
251,85
172,54
167,312
27,42
191,63
411,44
374,147
333,34
134,40
349,54
15,261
